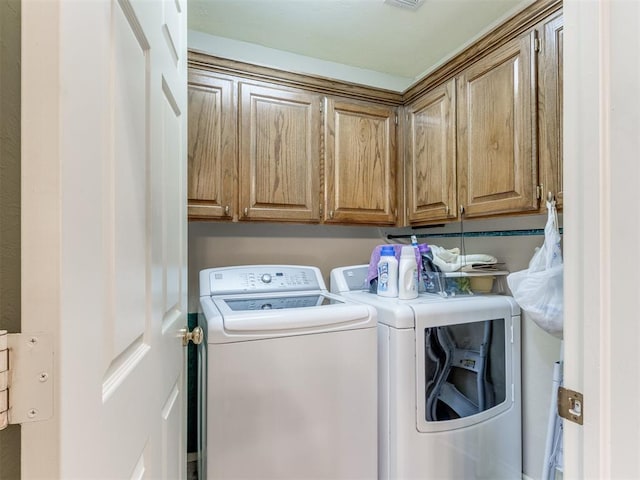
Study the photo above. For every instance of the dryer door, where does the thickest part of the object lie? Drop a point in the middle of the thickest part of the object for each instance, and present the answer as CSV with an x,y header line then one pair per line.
x,y
465,365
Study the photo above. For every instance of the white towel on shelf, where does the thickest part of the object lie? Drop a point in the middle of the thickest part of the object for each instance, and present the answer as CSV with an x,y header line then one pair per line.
x,y
451,260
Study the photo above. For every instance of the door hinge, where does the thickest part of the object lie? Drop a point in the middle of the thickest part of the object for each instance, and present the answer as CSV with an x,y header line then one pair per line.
x,y
570,405
26,377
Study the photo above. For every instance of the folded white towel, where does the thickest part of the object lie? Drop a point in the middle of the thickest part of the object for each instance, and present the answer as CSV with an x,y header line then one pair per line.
x,y
451,260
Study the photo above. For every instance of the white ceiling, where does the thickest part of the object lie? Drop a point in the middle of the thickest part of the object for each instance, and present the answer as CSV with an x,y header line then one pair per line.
x,y
368,34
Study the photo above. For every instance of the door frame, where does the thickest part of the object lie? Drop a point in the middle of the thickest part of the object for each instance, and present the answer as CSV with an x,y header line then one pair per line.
x,y
602,178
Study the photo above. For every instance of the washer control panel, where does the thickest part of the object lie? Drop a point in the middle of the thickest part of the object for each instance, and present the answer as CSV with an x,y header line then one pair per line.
x,y
264,278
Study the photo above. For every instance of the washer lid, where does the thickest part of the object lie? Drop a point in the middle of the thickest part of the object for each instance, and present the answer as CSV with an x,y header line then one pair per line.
x,y
276,312
278,302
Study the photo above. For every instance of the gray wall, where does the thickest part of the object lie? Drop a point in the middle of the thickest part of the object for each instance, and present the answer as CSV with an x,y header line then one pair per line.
x,y
10,204
220,244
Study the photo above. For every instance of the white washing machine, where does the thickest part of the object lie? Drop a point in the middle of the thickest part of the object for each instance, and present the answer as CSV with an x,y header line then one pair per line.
x,y
292,378
449,383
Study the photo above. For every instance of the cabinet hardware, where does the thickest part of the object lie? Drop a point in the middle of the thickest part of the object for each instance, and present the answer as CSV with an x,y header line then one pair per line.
x,y
536,45
446,210
226,210
331,214
461,209
246,212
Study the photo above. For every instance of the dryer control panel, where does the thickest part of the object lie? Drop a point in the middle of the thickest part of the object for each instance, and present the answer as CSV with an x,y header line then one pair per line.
x,y
263,279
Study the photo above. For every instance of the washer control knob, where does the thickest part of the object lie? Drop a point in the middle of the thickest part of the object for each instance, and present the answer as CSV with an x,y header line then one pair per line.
x,y
266,278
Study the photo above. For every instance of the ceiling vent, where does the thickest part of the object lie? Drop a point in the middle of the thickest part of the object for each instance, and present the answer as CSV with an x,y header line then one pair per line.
x,y
410,4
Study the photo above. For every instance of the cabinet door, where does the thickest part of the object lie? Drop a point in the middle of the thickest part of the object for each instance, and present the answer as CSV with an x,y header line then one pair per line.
x,y
360,163
430,170
497,168
279,154
550,110
212,146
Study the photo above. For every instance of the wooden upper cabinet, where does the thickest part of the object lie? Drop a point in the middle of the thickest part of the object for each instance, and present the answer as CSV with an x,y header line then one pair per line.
x,y
497,164
360,163
279,154
483,132
550,110
430,162
212,150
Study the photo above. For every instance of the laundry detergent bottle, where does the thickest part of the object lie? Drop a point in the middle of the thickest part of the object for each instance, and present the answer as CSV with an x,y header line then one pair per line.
x,y
387,272
408,274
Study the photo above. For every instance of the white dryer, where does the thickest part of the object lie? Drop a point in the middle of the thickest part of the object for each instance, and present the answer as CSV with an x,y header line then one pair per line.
x,y
449,383
292,378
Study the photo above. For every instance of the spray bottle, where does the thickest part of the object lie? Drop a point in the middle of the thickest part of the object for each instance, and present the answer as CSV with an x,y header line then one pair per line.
x,y
430,274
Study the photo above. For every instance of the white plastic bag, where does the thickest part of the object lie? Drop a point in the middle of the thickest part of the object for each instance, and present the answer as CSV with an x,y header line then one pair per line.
x,y
538,289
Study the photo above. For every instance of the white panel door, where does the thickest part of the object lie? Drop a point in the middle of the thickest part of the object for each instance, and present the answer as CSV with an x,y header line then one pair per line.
x,y
104,233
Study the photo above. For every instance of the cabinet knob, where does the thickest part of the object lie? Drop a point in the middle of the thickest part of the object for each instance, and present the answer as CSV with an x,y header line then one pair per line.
x,y
246,211
226,210
446,210
331,214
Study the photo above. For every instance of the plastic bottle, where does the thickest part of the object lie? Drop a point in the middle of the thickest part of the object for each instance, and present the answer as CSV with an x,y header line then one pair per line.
x,y
428,271
417,250
426,280
408,274
387,272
